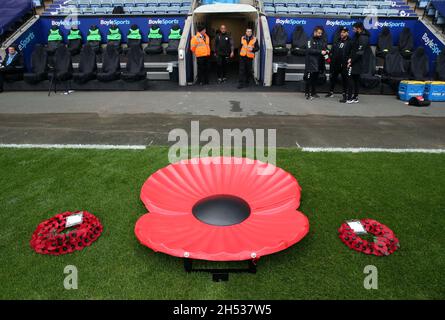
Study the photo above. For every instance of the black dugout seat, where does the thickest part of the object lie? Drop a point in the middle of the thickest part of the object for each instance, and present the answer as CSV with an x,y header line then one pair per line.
x,y
154,44
114,38
134,37
406,43
419,66
440,67
55,40
94,39
368,78
39,66
384,43
394,69
74,41
87,65
299,41
111,65
135,65
62,68
173,40
279,39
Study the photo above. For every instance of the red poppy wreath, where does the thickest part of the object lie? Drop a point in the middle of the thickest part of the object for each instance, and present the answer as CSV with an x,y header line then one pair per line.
x,y
55,237
385,242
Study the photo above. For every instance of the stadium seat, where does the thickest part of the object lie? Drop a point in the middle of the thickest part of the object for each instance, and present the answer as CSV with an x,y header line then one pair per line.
x,y
39,66
87,65
135,65
54,44
173,44
136,39
419,66
75,45
406,43
384,42
440,67
394,69
62,69
111,65
154,44
95,44
299,41
279,39
368,77
114,37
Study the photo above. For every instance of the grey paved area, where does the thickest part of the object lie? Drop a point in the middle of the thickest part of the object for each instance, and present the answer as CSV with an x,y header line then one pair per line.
x,y
147,117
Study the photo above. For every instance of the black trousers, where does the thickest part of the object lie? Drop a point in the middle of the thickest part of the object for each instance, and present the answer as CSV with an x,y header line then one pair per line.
x,y
311,79
335,73
245,70
221,66
203,67
353,86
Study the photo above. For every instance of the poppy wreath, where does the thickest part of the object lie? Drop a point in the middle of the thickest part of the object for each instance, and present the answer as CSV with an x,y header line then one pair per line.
x,y
50,238
385,240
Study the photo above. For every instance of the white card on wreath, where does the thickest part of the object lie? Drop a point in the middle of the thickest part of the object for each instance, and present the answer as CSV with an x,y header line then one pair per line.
x,y
356,226
74,220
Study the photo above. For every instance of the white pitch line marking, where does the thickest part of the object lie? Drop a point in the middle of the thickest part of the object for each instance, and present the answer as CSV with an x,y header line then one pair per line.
x,y
74,146
358,150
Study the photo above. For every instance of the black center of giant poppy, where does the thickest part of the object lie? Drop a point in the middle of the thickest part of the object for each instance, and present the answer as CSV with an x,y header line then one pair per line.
x,y
221,210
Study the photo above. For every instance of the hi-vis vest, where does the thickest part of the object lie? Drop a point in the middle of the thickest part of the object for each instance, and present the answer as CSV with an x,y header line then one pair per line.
x,y
74,35
114,35
246,48
54,35
200,46
94,35
134,34
154,34
175,34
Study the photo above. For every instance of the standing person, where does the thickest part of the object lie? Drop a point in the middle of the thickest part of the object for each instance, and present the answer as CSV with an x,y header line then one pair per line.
x,y
313,62
360,44
249,45
12,67
340,52
223,51
200,46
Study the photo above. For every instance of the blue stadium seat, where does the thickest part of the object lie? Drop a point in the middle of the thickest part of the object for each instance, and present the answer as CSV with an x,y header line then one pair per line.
x,y
106,3
128,3
281,9
269,9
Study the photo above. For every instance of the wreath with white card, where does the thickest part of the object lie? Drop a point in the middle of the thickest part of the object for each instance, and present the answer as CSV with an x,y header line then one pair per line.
x,y
66,232
384,240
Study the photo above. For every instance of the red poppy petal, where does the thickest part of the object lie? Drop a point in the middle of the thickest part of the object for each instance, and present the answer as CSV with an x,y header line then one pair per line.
x,y
176,188
185,236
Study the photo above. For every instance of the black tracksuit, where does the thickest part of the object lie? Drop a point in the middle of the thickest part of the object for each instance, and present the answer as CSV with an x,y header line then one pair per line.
x,y
13,71
340,53
223,49
313,63
245,65
360,44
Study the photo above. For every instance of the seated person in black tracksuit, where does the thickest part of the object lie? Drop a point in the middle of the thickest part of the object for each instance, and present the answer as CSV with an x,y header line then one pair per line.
x,y
356,62
11,68
313,62
340,53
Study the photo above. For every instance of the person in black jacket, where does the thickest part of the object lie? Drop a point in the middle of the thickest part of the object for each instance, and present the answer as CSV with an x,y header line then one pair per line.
x,y
355,63
223,51
12,67
340,53
313,62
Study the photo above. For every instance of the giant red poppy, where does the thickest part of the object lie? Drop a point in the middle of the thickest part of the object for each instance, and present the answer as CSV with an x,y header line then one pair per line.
x,y
221,209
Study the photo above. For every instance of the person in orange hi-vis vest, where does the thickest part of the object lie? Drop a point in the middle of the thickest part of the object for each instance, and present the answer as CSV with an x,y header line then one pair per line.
x,y
249,45
200,46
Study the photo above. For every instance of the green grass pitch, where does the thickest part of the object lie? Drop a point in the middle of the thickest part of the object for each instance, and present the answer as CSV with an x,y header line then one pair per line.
x,y
404,191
